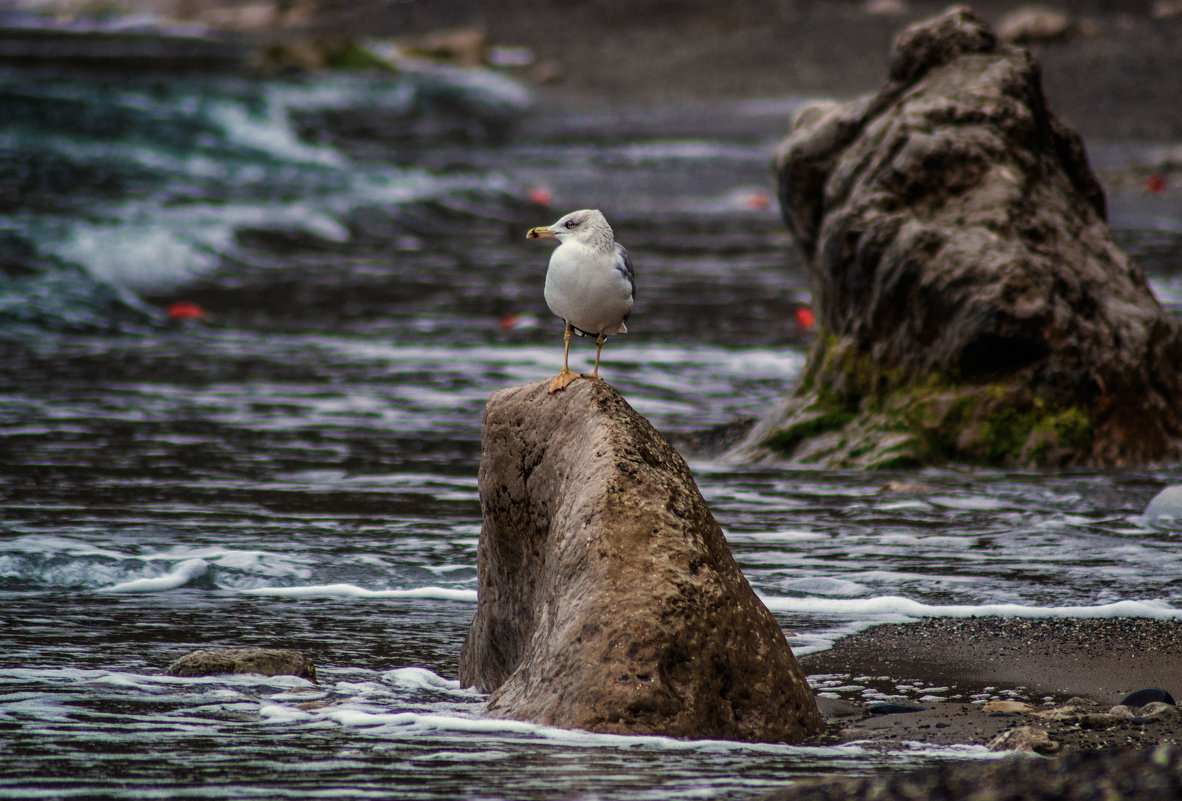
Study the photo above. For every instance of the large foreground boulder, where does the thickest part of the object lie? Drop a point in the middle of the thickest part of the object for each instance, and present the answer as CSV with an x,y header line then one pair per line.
x,y
1145,774
608,599
972,304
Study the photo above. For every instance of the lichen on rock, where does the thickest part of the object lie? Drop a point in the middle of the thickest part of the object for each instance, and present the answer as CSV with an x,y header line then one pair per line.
x,y
972,304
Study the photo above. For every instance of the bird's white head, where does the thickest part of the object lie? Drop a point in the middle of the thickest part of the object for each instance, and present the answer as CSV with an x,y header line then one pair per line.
x,y
586,226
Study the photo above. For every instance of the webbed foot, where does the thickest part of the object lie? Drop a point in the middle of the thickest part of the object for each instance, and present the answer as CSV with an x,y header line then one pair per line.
x,y
563,380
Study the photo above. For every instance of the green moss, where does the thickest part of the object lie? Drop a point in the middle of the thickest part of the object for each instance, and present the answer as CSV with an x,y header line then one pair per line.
x,y
1071,427
1009,426
1002,435
860,414
809,424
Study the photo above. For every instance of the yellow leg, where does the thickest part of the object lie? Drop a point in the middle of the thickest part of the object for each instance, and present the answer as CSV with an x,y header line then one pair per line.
x,y
566,376
599,340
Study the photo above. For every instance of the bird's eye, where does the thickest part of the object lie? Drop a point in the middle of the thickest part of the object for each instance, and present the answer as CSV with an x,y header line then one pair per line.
x,y
571,223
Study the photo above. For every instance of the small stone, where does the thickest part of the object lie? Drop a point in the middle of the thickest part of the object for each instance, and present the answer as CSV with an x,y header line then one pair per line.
x,y
1147,696
1003,708
1024,738
1100,720
1159,710
889,708
1036,24
1066,712
265,661
832,708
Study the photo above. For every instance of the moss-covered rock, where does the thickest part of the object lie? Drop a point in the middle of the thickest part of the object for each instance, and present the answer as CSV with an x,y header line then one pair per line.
x,y
972,302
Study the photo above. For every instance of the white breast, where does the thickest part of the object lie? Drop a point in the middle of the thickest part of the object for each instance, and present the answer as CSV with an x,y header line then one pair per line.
x,y
585,288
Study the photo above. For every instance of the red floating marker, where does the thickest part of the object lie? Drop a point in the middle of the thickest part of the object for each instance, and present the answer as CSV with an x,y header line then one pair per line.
x,y
537,194
805,318
1155,184
511,322
182,310
758,200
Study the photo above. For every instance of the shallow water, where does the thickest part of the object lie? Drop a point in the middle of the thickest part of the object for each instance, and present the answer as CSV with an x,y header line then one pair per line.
x,y
298,470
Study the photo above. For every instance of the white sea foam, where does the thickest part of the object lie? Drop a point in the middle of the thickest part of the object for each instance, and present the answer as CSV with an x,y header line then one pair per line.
x,y
825,585
810,642
37,544
687,150
143,681
353,591
416,722
70,562
959,751
417,678
967,502
180,575
278,713
895,609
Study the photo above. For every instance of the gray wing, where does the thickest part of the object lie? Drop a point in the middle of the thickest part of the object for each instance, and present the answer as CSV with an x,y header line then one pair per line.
x,y
624,265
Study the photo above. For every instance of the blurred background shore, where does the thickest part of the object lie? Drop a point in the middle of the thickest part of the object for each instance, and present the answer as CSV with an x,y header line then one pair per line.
x,y
1113,68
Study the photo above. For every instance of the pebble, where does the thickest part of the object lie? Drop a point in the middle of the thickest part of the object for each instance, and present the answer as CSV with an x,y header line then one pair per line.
x,y
1147,696
885,708
1024,738
1158,710
1006,708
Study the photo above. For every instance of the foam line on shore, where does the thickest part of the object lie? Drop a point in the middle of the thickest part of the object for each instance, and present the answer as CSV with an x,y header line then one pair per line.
x,y
894,609
410,722
178,577
353,591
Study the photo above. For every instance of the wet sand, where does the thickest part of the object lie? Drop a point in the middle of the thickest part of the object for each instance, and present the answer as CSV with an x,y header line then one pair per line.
x,y
1141,774
1043,662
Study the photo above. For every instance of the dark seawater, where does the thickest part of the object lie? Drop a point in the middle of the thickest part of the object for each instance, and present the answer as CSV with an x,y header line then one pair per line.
x,y
298,469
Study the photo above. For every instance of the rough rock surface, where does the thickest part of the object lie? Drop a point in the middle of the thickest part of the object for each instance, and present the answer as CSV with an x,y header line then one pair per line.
x,y
972,304
608,598
267,661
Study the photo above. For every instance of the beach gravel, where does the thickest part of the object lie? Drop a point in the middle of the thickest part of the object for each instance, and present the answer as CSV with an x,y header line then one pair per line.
x,y
1050,664
1143,774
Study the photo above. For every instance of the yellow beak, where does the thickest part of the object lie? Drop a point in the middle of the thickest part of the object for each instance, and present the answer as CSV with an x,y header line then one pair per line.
x,y
540,233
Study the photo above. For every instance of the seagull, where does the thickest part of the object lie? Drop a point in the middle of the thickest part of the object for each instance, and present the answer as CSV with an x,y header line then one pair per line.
x,y
590,283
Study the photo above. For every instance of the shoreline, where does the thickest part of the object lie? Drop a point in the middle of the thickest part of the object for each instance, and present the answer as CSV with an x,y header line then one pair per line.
x,y
1115,73
1045,663
1117,76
